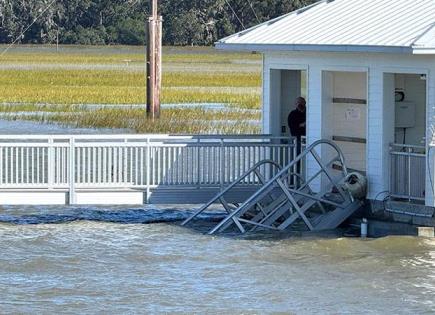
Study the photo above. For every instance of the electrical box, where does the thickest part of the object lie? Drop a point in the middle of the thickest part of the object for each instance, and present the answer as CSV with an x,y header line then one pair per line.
x,y
405,115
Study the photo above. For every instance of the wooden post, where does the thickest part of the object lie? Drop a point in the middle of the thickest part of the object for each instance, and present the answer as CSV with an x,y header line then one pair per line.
x,y
57,40
150,70
154,62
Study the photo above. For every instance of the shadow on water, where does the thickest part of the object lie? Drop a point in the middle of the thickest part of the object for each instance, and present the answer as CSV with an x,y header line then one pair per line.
x,y
147,215
120,216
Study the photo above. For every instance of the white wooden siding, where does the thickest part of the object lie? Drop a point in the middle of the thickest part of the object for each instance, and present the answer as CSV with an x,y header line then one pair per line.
x,y
430,122
376,65
351,85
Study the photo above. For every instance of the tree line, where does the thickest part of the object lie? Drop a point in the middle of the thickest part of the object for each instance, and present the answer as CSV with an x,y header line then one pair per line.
x,y
101,22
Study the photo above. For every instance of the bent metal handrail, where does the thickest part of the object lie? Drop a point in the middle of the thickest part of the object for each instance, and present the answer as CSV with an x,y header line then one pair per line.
x,y
278,181
219,196
283,173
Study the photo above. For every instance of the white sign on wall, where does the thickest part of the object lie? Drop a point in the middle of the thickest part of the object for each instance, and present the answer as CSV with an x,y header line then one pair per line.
x,y
353,114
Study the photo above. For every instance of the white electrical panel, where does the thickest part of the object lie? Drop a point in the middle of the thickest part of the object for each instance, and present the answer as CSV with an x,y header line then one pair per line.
x,y
405,115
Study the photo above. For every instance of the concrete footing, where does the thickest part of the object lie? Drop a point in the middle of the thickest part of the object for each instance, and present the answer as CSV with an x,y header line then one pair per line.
x,y
424,231
397,218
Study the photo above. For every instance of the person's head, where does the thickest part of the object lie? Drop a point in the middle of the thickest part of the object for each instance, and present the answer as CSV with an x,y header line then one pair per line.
x,y
301,104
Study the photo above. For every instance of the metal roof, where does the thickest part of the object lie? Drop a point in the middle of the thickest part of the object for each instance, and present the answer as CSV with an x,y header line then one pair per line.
x,y
404,26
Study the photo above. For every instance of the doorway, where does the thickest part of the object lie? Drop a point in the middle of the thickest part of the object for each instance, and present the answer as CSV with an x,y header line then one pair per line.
x,y
405,99
285,87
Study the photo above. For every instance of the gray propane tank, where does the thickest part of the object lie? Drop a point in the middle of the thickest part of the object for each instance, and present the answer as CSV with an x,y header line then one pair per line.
x,y
356,184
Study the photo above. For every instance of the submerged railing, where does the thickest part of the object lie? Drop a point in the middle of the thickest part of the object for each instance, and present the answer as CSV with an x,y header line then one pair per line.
x,y
408,172
134,161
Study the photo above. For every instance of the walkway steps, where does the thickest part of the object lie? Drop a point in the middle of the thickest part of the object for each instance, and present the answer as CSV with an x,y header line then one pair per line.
x,y
278,205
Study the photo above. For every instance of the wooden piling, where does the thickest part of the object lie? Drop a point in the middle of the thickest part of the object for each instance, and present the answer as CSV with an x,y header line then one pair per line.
x,y
154,63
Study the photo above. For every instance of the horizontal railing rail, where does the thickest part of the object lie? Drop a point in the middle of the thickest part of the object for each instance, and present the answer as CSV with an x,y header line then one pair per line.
x,y
408,172
134,161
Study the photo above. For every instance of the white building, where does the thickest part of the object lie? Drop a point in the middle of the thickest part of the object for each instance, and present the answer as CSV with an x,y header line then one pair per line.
x,y
367,69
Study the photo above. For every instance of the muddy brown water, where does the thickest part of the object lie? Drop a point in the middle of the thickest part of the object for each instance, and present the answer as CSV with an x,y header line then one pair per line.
x,y
89,260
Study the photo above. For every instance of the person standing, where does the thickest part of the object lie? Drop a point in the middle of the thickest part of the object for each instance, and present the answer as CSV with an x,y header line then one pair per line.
x,y
297,122
297,119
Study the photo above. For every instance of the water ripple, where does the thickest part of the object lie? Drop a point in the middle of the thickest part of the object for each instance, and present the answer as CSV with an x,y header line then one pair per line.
x,y
127,216
110,260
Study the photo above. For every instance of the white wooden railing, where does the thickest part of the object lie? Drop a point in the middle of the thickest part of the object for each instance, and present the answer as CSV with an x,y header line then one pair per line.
x,y
133,161
408,172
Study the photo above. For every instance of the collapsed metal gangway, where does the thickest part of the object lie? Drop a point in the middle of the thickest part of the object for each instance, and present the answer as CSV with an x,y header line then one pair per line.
x,y
322,202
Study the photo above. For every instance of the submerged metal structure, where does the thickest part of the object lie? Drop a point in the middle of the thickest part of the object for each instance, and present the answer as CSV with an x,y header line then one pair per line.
x,y
322,201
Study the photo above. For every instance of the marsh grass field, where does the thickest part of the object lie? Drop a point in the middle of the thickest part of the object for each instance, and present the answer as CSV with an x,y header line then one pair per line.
x,y
42,84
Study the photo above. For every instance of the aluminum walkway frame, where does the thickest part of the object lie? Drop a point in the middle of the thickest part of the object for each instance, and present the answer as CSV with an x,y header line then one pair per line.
x,y
320,201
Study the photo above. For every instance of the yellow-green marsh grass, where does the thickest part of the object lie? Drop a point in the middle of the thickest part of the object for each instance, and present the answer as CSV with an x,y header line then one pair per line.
x,y
117,87
36,54
123,78
191,75
175,121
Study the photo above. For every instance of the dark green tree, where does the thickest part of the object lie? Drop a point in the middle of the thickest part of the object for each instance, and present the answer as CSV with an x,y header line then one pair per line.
x,y
186,22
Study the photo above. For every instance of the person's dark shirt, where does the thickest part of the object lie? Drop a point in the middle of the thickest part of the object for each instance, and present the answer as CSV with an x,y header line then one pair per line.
x,y
295,119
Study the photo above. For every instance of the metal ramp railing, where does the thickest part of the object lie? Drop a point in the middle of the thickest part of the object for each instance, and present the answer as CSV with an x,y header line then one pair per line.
x,y
278,204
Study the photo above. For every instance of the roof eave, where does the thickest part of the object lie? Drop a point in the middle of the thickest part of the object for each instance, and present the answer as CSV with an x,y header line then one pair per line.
x,y
313,48
424,51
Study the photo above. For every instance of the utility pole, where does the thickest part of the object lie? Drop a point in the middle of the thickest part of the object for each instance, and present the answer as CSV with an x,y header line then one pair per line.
x,y
57,39
154,62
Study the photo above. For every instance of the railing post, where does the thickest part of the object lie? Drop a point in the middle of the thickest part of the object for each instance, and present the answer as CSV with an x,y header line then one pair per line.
x,y
51,163
409,174
1,166
148,169
72,165
198,171
221,164
125,162
390,184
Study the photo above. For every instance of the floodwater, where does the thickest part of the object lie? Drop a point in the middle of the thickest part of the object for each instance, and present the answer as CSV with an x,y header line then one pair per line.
x,y
21,127
117,260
